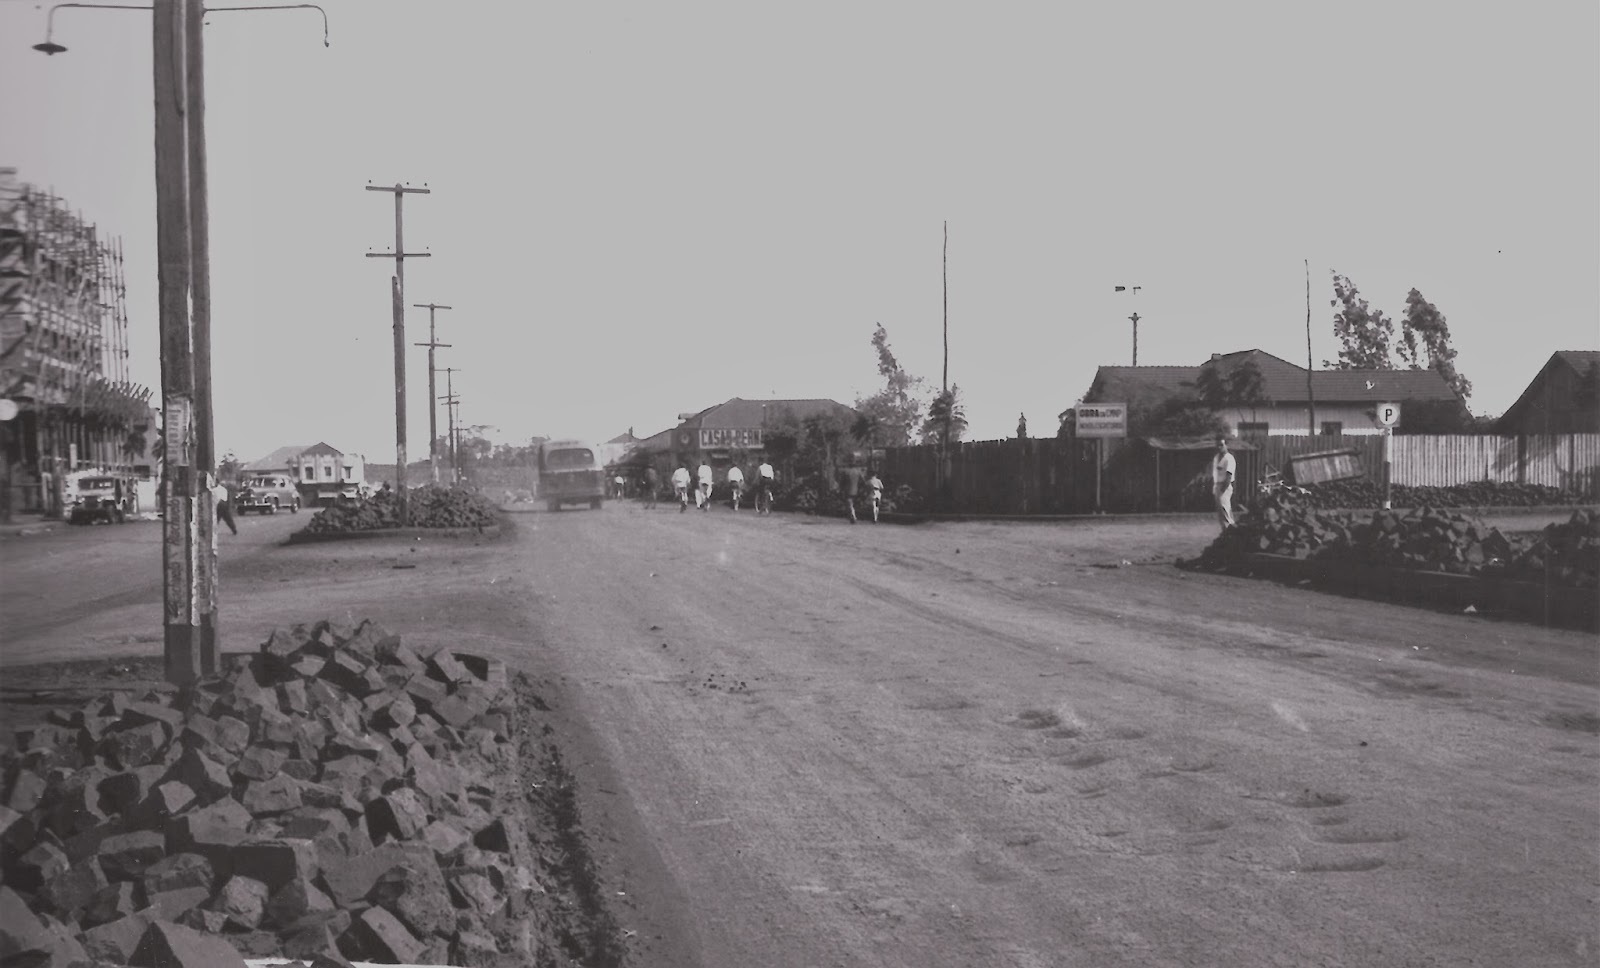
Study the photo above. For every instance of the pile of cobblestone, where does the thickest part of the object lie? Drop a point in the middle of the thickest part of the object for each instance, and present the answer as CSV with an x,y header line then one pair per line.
x,y
324,798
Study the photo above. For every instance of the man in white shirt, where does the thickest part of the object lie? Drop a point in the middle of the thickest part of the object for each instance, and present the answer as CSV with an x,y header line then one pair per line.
x,y
1223,467
680,487
736,482
702,494
765,476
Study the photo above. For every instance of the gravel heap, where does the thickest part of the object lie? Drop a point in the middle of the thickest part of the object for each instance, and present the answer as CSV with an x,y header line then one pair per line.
x,y
1425,539
432,506
327,796
1483,494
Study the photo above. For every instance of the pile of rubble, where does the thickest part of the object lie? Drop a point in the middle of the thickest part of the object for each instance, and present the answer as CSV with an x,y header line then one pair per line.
x,y
1361,493
1425,539
330,796
431,506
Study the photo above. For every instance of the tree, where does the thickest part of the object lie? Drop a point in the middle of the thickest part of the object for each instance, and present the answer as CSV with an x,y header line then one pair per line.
x,y
1425,343
229,468
889,417
1022,426
947,418
1364,333
1240,386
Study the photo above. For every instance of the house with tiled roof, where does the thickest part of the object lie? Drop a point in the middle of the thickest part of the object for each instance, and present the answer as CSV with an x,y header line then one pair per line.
x,y
321,471
1345,401
1563,397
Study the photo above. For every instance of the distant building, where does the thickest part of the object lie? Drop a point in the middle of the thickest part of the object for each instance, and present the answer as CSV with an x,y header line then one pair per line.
x,y
321,471
1345,400
1564,398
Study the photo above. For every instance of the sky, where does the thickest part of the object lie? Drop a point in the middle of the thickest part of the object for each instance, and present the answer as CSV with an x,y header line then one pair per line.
x,y
639,210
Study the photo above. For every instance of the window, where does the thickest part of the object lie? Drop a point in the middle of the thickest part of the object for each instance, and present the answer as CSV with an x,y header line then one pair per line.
x,y
311,473
1333,428
347,473
327,472
1256,427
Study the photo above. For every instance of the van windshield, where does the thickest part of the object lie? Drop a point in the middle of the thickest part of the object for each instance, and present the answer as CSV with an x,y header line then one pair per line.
x,y
576,457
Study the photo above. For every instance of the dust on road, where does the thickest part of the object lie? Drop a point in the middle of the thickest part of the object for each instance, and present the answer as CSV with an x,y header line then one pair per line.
x,y
964,744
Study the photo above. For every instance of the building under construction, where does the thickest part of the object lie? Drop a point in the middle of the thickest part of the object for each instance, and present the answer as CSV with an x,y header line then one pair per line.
x,y
63,354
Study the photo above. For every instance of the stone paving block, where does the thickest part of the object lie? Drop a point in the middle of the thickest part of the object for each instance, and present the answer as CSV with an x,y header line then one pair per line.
x,y
400,654
442,837
314,935
41,736
280,644
254,944
400,815
373,642
352,744
178,870
444,665
211,831
476,893
74,801
292,695
126,790
347,671
169,945
259,763
243,901
39,864
62,947
20,929
349,881
204,920
276,862
175,903
416,894
233,733
424,690
205,776
303,770
278,794
16,828
308,666
26,792
295,901
69,892
152,712
86,844
383,936
125,857
110,903
115,941
166,801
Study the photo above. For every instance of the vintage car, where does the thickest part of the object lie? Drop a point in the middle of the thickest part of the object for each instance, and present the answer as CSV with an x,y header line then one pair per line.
x,y
102,497
569,473
267,493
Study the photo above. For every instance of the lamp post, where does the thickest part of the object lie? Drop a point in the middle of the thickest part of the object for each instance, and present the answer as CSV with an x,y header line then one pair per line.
x,y
1135,320
188,540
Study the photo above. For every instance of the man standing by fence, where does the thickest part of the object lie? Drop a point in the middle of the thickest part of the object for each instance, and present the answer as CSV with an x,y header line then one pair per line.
x,y
1223,469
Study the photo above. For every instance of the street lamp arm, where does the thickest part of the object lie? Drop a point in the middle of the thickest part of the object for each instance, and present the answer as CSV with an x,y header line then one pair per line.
x,y
50,46
283,6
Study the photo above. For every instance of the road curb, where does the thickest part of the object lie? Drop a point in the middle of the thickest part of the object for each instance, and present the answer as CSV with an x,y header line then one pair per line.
x,y
320,537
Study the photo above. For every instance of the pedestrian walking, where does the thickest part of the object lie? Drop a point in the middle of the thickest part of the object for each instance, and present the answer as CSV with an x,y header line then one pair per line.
x,y
651,481
736,483
702,494
1223,468
850,484
680,485
875,489
219,496
765,478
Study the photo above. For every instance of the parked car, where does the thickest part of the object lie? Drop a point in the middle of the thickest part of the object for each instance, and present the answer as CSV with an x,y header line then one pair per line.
x,y
102,497
267,493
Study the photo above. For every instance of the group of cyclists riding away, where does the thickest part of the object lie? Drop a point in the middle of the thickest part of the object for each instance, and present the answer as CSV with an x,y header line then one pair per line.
x,y
852,480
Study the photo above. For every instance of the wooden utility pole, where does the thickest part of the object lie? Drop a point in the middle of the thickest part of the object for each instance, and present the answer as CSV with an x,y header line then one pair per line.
x,y
433,400
1311,394
398,292
184,648
1135,319
450,400
200,312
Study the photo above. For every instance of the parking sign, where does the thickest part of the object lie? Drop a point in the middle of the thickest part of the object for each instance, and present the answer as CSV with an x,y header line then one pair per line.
x,y
1388,414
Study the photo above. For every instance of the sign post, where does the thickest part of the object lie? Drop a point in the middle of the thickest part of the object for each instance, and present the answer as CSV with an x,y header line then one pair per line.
x,y
1099,421
1388,415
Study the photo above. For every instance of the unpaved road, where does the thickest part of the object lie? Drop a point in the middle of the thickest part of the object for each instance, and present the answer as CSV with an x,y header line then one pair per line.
x,y
804,743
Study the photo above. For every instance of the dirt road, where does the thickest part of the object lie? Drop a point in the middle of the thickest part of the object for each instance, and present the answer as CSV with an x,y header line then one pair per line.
x,y
805,743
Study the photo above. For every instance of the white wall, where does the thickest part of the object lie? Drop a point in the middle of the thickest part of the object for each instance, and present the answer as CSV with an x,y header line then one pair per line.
x,y
1295,421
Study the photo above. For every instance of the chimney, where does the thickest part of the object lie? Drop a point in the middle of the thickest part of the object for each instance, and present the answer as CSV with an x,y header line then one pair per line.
x,y
1215,357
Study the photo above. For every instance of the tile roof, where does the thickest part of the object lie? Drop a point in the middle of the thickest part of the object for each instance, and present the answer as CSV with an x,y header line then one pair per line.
x,y
1579,360
739,412
320,448
1281,381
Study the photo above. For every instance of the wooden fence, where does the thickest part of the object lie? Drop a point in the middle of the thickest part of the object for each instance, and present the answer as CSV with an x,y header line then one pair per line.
x,y
1050,476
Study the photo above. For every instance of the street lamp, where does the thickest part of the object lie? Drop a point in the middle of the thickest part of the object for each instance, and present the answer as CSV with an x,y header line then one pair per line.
x,y
188,538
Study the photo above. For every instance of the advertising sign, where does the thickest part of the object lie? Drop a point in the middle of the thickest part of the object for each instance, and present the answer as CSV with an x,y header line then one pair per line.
x,y
1102,419
719,437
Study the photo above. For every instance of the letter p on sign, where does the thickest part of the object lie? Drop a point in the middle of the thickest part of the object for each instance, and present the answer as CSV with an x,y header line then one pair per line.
x,y
1388,414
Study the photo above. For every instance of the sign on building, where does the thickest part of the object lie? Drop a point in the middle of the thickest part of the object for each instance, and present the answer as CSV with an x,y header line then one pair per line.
x,y
718,437
1102,419
1388,414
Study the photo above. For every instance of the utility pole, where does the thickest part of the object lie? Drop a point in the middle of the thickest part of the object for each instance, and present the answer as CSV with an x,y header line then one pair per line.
x,y
200,312
450,400
184,652
1311,393
1135,319
399,255
433,400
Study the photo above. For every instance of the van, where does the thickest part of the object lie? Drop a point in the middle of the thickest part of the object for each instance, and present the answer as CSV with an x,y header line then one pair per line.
x,y
570,473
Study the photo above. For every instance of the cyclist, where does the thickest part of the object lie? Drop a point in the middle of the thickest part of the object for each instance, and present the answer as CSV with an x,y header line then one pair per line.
x,y
680,486
765,476
736,483
875,488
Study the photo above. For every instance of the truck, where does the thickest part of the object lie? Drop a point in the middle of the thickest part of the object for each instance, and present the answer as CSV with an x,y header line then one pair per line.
x,y
107,496
570,473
